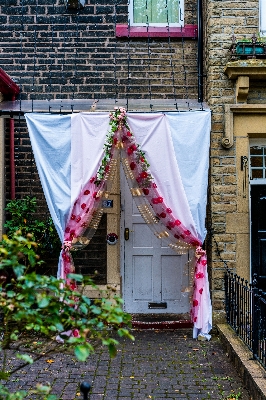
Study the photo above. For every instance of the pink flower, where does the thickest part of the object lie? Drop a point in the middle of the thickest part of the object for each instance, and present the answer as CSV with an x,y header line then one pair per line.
x,y
143,174
201,290
204,262
86,192
75,333
177,222
199,275
154,185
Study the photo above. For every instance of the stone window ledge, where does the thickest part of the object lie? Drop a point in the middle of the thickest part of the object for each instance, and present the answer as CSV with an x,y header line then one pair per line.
x,y
243,71
188,31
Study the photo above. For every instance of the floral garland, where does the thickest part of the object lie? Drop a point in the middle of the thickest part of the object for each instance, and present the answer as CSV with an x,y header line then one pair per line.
x,y
87,212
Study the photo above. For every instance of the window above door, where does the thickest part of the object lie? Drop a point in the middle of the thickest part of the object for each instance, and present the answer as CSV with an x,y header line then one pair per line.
x,y
158,13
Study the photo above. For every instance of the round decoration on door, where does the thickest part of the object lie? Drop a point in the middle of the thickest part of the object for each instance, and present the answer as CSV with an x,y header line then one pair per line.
x,y
112,238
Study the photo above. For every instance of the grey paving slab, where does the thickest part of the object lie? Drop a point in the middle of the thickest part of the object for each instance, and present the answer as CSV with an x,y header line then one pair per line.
x,y
157,365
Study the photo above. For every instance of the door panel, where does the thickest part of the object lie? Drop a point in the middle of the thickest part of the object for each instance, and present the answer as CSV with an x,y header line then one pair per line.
x,y
152,272
258,233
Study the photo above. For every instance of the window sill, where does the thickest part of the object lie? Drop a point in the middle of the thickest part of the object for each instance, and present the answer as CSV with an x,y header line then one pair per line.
x,y
188,31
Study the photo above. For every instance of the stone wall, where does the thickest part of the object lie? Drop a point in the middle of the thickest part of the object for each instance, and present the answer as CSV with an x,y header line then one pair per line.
x,y
223,19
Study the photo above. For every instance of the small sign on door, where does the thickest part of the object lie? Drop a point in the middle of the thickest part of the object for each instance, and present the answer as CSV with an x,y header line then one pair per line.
x,y
107,203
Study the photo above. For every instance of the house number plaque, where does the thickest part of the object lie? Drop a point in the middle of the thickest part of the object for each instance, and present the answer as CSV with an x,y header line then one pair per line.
x,y
107,204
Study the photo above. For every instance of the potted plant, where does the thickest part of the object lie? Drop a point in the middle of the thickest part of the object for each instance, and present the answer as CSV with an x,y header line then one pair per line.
x,y
255,47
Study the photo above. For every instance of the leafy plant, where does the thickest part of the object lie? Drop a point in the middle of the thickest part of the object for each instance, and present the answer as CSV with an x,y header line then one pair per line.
x,y
21,217
33,304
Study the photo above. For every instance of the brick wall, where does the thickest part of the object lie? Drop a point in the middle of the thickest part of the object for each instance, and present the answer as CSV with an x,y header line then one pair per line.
x,y
56,53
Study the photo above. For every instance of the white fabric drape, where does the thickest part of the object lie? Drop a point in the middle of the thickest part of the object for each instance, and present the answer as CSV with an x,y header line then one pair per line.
x,y
69,149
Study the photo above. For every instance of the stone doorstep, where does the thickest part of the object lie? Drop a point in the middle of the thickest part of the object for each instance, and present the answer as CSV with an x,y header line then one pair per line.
x,y
161,321
252,373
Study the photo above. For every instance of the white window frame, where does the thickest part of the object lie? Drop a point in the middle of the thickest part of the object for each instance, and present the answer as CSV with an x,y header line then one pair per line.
x,y
263,17
177,24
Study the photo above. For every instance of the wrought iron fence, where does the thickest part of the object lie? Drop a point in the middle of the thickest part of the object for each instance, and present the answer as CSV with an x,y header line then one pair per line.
x,y
246,313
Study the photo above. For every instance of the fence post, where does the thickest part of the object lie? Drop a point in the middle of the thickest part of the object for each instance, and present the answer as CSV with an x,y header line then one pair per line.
x,y
255,317
85,388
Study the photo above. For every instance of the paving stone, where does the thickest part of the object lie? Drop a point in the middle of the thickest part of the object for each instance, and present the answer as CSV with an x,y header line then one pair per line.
x,y
158,365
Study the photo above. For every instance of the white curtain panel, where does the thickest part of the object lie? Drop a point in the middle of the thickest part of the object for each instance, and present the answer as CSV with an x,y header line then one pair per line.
x,y
68,151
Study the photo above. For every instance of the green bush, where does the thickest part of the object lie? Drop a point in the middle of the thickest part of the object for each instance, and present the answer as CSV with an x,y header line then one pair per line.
x,y
33,304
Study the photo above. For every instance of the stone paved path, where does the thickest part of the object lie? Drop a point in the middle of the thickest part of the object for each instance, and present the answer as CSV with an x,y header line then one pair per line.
x,y
158,365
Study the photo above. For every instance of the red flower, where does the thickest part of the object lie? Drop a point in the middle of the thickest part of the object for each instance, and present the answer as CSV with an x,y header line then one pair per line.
x,y
67,230
138,179
146,191
107,168
73,217
143,174
94,195
182,236
154,185
92,179
115,141
195,303
83,206
154,200
199,275
78,219
75,333
132,165
87,210
195,319
177,222
176,236
142,159
86,192
129,133
72,233
171,224
195,243
204,262
83,225
163,215
168,210
187,232
160,200
201,290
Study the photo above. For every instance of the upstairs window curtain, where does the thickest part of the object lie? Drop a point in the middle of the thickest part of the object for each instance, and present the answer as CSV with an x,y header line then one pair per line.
x,y
156,12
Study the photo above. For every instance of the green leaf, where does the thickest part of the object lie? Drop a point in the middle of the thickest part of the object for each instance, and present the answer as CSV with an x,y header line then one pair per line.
x,y
25,357
76,277
4,375
82,352
44,302
112,350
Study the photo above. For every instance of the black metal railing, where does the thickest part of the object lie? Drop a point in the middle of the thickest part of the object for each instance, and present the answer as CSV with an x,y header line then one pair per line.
x,y
246,313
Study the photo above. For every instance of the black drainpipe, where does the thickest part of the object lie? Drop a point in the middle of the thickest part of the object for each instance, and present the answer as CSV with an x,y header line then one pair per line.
x,y
200,53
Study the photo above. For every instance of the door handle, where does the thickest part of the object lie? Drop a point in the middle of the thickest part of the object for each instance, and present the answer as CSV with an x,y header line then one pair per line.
x,y
126,234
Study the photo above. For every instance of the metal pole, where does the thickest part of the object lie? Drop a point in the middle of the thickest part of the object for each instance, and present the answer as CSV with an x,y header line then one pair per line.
x,y
85,388
200,53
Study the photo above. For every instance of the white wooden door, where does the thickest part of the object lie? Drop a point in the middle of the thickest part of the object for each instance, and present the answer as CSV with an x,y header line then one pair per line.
x,y
152,273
